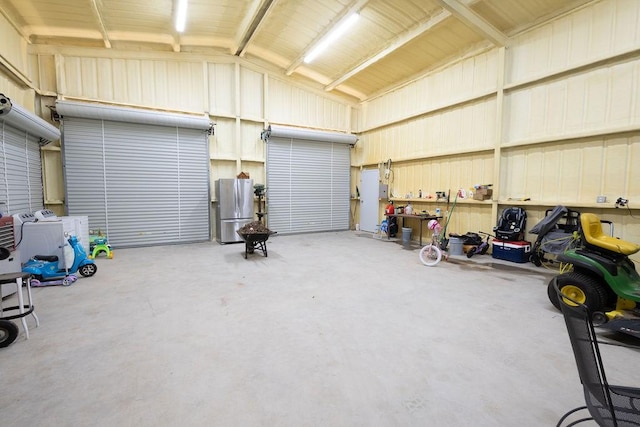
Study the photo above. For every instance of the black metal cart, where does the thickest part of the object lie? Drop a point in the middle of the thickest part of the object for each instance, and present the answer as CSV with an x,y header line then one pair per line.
x,y
253,241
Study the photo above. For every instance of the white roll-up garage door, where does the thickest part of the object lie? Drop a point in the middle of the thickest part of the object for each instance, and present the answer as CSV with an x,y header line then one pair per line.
x,y
142,178
308,180
21,134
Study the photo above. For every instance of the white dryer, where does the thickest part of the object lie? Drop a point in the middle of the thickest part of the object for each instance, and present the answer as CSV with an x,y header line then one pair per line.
x,y
43,237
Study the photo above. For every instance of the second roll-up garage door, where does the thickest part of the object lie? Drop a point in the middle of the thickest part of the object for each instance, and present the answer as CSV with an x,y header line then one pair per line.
x,y
308,180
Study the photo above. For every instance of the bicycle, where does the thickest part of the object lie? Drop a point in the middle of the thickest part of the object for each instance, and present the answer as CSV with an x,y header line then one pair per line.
x,y
433,253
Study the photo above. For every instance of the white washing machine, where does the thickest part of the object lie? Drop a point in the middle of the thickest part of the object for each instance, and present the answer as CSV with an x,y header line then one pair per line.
x,y
80,224
43,237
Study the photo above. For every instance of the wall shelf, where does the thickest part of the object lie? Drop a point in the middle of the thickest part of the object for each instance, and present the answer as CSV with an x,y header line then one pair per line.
x,y
459,201
608,205
457,153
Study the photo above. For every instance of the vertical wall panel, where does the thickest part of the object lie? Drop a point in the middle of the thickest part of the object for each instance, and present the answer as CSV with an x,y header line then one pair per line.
x,y
461,81
166,75
252,145
120,79
595,32
615,172
441,174
89,77
133,89
167,84
16,92
600,100
251,93
13,47
436,134
221,169
632,185
560,34
221,89
105,79
43,67
289,104
72,76
591,179
596,99
622,87
556,108
147,84
572,172
223,143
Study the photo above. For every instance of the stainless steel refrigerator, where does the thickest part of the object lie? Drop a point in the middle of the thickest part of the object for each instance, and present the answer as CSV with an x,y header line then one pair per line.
x,y
234,208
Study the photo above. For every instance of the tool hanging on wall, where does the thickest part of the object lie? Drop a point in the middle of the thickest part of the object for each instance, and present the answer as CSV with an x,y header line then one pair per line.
x,y
387,169
444,241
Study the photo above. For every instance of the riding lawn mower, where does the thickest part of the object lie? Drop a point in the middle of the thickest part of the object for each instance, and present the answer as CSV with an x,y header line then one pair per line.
x,y
603,278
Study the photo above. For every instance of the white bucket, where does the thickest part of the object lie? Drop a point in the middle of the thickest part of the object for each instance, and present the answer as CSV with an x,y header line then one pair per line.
x,y
406,235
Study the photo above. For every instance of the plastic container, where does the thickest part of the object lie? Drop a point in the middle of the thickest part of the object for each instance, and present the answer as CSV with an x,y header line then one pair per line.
x,y
456,246
406,235
511,251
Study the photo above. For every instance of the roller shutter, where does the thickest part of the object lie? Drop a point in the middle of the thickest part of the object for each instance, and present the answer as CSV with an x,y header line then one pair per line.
x,y
141,183
21,134
308,180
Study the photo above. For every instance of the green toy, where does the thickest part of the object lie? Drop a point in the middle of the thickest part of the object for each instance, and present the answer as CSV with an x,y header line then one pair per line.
x,y
99,243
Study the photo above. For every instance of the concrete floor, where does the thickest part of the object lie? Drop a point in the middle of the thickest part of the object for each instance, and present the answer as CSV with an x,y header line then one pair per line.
x,y
332,329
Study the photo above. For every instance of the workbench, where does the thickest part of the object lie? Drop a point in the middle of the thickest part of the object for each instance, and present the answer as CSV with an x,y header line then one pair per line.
x,y
421,217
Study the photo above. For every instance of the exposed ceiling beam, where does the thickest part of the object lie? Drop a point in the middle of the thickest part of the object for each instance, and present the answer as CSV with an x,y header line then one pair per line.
x,y
103,29
176,46
398,42
475,21
258,11
348,11
244,26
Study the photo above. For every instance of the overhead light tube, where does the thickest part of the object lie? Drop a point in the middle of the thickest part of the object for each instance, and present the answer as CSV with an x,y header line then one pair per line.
x,y
181,16
331,37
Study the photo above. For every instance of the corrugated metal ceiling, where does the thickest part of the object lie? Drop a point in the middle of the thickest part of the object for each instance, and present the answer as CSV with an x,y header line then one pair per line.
x,y
393,42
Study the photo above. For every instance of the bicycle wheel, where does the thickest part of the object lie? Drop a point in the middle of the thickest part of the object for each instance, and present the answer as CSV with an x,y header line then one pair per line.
x,y
430,255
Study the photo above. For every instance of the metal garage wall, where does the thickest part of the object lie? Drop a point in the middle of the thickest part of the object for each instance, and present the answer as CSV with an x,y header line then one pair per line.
x,y
141,183
21,133
308,181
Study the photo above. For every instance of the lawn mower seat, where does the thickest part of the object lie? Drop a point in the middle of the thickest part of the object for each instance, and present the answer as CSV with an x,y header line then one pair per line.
x,y
595,237
511,224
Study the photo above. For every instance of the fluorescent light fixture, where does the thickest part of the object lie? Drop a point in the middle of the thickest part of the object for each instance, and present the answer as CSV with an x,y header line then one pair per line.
x,y
181,15
331,37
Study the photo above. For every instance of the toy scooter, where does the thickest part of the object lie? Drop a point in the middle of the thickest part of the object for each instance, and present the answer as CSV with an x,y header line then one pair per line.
x,y
45,268
603,278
